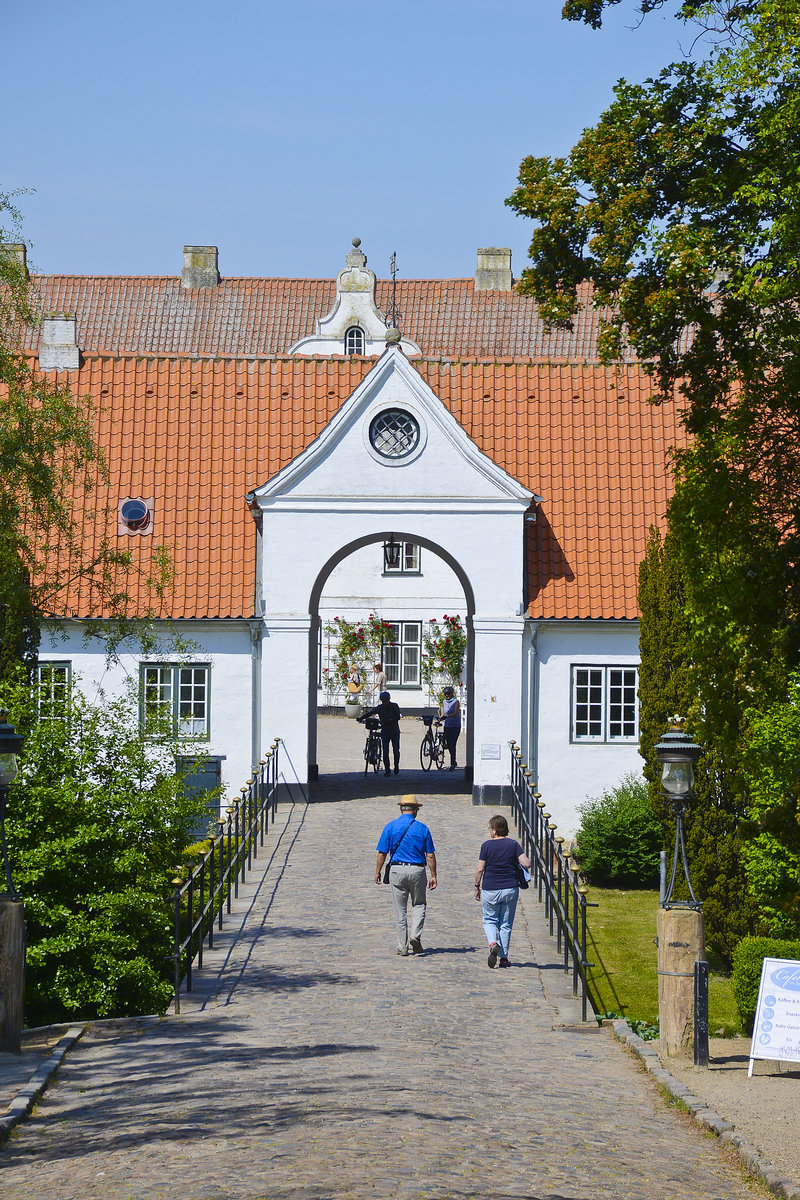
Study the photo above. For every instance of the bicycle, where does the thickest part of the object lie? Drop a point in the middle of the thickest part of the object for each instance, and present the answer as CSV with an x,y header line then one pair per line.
x,y
432,747
373,748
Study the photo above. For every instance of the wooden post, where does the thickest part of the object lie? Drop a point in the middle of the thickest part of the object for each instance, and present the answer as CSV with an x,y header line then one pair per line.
x,y
681,943
12,972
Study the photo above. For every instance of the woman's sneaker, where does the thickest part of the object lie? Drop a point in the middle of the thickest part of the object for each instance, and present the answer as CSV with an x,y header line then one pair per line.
x,y
504,963
494,950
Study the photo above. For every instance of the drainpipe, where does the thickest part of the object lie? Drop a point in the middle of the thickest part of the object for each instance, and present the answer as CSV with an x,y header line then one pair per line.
x,y
256,624
532,732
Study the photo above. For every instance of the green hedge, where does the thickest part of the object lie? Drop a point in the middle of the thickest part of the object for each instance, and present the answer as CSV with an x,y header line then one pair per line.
x,y
748,959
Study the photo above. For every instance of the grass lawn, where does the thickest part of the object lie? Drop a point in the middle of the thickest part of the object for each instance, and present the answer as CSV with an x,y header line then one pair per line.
x,y
624,979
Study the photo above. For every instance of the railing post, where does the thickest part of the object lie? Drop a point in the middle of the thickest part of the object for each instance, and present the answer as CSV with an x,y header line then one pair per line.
x,y
211,857
229,872
568,933
190,915
243,848
262,798
559,898
238,846
540,842
222,888
582,892
177,884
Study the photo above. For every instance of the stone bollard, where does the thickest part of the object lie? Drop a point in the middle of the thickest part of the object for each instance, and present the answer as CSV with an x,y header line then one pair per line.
x,y
681,943
12,972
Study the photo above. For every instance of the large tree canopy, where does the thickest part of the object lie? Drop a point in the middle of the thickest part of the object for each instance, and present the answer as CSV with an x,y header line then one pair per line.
x,y
681,208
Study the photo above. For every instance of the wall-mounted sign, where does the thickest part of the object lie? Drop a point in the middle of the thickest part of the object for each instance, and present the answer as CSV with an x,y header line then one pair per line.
x,y
490,750
776,1030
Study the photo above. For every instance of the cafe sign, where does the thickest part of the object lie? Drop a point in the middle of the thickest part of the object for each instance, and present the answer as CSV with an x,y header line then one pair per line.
x,y
776,1029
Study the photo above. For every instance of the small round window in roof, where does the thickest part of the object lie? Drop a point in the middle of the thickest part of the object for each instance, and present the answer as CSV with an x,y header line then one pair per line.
x,y
394,433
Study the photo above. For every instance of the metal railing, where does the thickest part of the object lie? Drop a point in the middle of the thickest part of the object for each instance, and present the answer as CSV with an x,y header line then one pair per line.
x,y
554,875
200,901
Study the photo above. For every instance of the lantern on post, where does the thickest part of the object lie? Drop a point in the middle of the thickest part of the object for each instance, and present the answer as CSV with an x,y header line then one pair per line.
x,y
10,746
682,969
12,912
677,754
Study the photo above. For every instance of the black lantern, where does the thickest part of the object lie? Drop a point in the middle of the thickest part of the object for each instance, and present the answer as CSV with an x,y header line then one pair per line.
x,y
677,754
10,746
391,554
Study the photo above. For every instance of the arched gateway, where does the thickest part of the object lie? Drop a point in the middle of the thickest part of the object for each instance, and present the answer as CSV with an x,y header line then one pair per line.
x,y
393,460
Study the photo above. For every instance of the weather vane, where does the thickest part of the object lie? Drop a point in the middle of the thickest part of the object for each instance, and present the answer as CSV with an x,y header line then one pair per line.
x,y
394,315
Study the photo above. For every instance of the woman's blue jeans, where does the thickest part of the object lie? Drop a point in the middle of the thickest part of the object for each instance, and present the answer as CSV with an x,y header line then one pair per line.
x,y
498,908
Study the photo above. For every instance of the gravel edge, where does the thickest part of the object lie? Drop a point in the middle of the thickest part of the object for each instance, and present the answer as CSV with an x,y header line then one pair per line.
x,y
27,1096
751,1158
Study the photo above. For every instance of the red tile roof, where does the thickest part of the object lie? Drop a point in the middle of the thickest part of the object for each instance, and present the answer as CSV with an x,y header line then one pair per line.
x,y
264,317
198,434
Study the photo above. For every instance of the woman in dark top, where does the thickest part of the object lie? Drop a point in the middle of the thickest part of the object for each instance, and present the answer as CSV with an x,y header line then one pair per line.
x,y
497,889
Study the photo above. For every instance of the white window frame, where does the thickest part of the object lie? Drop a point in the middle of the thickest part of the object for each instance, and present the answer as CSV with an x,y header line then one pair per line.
x,y
184,695
409,564
53,687
353,334
601,696
402,661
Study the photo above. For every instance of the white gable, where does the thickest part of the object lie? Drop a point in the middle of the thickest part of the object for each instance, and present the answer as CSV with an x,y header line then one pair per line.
x,y
443,469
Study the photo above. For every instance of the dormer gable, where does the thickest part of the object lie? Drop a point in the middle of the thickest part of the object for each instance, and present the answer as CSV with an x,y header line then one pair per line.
x,y
354,325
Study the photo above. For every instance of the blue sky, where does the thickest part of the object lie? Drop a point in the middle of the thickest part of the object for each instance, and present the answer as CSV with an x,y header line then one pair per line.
x,y
279,131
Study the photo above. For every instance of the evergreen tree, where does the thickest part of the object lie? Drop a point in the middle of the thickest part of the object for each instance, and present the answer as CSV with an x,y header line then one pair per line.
x,y
669,684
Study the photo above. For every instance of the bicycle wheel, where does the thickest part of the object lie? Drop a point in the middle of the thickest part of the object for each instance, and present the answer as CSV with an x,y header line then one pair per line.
x,y
367,754
377,754
438,751
426,752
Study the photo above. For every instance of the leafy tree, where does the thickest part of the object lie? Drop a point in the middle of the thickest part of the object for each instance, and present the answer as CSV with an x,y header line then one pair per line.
x,y
680,209
771,762
97,821
48,455
668,684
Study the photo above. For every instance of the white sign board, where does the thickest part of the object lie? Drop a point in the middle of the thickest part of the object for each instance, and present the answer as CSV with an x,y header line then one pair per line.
x,y
776,1030
490,750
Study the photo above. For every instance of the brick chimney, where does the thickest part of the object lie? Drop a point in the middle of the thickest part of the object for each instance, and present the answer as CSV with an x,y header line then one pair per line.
x,y
494,270
16,252
58,345
200,268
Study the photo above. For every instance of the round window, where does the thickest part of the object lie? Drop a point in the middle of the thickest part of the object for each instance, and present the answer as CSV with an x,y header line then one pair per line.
x,y
394,433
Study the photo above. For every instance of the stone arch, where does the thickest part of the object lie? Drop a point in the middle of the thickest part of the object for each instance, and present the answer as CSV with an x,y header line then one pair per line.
x,y
313,608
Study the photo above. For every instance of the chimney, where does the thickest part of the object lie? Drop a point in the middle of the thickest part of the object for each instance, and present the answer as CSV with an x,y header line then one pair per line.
x,y
16,253
58,347
494,270
200,268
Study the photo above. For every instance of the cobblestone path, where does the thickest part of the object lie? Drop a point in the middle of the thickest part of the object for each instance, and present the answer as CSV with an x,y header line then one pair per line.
x,y
313,1062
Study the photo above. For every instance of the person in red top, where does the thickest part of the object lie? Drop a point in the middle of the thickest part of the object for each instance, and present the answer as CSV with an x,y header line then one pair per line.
x,y
497,888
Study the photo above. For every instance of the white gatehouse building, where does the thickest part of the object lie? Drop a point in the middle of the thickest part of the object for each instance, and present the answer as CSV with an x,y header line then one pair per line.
x,y
272,434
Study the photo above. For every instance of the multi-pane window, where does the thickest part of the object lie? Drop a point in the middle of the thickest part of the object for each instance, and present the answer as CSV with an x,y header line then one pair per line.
x,y
175,693
401,659
409,560
604,704
354,340
52,689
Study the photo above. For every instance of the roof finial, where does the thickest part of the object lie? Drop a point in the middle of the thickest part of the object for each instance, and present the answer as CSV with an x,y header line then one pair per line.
x,y
356,257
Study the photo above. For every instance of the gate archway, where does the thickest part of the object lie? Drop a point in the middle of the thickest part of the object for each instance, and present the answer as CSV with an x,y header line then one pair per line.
x,y
314,628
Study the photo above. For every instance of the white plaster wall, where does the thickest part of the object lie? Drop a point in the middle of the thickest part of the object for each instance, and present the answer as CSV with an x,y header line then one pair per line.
x,y
567,772
225,645
338,492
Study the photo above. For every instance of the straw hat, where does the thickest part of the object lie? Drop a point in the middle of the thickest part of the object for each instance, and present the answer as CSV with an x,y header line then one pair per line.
x,y
409,801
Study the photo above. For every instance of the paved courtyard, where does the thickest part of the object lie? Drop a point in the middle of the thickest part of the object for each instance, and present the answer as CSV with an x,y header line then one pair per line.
x,y
314,1063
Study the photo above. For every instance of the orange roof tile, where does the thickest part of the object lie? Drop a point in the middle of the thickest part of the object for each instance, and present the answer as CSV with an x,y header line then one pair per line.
x,y
198,434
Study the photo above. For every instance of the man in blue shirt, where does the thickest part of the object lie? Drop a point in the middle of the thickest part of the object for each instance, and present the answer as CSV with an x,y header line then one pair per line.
x,y
409,846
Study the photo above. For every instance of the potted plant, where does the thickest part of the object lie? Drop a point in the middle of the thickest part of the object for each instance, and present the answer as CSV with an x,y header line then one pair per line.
x,y
356,645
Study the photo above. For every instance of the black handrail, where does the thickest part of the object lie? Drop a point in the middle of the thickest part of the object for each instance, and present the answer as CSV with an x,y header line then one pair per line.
x,y
553,874
199,901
